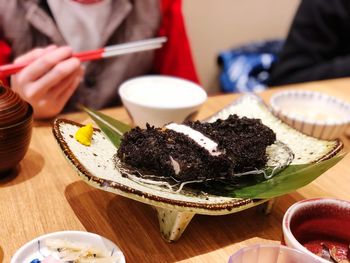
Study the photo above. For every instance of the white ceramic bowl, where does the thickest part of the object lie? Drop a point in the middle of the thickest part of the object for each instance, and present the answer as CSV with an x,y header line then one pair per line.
x,y
270,254
313,113
313,221
159,100
35,249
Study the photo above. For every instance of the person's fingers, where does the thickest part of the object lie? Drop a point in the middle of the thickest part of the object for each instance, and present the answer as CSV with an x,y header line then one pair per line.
x,y
44,64
68,92
39,88
30,56
50,106
33,54
59,89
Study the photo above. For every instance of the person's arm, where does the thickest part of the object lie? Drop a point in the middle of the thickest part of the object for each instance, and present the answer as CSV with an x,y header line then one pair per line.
x,y
49,80
318,44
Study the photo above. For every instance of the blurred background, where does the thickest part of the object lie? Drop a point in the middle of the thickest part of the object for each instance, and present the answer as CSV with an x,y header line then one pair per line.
x,y
215,26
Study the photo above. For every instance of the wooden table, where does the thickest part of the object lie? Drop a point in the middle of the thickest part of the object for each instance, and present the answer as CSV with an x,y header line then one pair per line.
x,y
45,195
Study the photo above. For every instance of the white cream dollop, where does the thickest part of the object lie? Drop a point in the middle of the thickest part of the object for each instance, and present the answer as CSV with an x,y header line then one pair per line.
x,y
198,137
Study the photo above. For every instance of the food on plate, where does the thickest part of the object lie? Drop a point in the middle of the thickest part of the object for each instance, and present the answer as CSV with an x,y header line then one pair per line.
x,y
62,251
84,134
198,151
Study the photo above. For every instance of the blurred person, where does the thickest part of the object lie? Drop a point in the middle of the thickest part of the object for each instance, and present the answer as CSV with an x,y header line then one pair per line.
x,y
318,44
45,33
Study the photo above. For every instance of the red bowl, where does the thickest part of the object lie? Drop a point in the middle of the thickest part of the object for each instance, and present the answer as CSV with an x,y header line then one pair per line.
x,y
318,225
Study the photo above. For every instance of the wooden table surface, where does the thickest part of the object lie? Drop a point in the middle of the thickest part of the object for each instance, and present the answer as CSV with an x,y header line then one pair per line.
x,y
45,194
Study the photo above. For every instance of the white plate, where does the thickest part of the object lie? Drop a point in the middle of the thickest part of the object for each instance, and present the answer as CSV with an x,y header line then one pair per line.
x,y
30,250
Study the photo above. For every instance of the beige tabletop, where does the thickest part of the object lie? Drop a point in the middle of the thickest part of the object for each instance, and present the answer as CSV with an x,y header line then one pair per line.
x,y
46,195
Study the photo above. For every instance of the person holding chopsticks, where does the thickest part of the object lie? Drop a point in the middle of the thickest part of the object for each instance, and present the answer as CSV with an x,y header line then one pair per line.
x,y
45,33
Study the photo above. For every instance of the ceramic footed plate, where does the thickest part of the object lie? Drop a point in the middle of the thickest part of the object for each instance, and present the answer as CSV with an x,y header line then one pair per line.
x,y
96,165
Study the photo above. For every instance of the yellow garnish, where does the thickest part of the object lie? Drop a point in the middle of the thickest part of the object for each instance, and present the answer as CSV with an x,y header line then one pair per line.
x,y
84,134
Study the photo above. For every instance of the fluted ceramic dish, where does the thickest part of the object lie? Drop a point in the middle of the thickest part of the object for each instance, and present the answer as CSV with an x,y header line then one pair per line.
x,y
313,113
96,166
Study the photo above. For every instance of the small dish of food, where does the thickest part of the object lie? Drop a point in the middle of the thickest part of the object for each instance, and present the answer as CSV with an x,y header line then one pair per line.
x,y
319,227
270,253
313,113
69,246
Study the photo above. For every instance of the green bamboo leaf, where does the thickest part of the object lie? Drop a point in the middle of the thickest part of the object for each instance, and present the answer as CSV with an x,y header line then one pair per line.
x,y
289,180
111,127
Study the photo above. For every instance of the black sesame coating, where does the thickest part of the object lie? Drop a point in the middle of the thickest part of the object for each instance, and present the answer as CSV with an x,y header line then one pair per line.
x,y
149,150
244,140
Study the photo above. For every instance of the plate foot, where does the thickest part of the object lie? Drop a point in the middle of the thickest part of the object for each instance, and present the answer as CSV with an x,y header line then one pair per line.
x,y
172,223
267,207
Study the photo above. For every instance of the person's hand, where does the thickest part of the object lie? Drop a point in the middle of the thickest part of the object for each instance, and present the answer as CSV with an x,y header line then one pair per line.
x,y
49,80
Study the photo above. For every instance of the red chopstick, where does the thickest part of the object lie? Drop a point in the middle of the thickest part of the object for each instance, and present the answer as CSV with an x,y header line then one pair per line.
x,y
110,51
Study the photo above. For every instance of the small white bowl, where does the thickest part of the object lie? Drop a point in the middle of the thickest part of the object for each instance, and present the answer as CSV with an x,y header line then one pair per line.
x,y
158,100
313,113
35,249
270,254
313,221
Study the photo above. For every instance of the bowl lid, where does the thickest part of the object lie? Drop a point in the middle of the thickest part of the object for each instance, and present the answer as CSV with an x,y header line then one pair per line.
x,y
12,108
